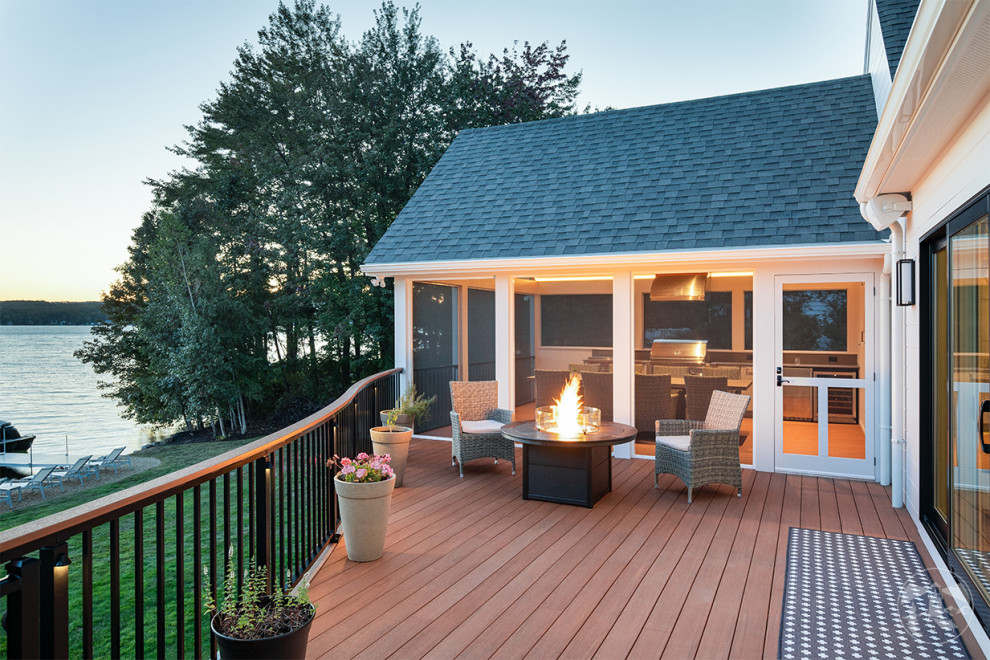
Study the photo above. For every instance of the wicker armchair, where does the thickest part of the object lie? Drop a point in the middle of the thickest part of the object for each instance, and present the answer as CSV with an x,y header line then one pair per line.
x,y
707,452
732,373
699,390
476,422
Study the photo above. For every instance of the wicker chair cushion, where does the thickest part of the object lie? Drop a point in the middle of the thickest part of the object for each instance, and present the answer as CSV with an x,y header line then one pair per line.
x,y
726,410
678,442
481,427
474,400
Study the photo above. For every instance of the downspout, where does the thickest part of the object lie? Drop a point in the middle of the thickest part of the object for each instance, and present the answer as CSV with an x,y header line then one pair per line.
x,y
884,340
897,448
885,211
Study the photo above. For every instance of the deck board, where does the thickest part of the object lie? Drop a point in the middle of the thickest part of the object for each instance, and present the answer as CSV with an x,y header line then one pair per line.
x,y
471,570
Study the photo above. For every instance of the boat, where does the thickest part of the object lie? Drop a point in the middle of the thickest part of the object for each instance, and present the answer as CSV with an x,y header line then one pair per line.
x,y
12,440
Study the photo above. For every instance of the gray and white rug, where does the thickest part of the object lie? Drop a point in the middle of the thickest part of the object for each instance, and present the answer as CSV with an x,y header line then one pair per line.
x,y
851,596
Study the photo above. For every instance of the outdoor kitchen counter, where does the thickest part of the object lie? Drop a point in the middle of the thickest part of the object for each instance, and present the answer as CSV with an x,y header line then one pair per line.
x,y
567,469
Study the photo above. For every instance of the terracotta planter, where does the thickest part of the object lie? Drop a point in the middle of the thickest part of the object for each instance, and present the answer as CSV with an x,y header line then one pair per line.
x,y
291,645
394,443
364,516
400,420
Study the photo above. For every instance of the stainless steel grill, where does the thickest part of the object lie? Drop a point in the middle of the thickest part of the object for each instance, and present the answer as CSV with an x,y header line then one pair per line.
x,y
688,352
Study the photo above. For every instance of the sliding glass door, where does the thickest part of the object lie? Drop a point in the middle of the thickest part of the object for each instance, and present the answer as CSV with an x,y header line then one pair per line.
x,y
956,450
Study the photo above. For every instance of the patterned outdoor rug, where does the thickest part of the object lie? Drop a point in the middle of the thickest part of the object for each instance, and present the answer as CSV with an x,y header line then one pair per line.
x,y
851,596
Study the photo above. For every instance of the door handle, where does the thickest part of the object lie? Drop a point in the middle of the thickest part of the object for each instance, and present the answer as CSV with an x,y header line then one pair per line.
x,y
984,409
781,380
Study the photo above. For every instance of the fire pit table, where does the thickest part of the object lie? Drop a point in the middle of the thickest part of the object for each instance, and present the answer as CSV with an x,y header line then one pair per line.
x,y
567,469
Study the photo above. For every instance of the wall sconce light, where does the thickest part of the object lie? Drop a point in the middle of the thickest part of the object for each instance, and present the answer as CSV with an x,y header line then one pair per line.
x,y
905,282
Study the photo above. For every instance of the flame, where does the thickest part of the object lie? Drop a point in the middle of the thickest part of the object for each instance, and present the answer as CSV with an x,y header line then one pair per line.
x,y
569,405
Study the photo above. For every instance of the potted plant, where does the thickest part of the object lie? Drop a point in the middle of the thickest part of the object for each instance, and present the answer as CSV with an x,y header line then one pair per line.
x,y
364,492
255,624
393,440
410,408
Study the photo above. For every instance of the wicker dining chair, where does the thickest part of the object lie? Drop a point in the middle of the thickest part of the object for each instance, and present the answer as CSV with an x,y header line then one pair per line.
x,y
597,392
699,390
707,452
582,367
653,400
476,424
549,384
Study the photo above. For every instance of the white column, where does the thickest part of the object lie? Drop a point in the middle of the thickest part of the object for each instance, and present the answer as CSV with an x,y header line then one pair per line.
x,y
623,355
403,300
505,341
462,333
764,369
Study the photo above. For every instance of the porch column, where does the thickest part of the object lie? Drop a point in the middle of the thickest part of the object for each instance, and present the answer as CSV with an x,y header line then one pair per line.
x,y
764,370
463,364
623,355
505,341
403,300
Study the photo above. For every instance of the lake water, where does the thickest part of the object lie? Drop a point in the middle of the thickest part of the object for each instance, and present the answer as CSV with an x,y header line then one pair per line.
x,y
47,392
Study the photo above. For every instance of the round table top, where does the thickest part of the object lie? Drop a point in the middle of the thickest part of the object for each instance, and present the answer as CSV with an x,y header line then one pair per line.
x,y
610,433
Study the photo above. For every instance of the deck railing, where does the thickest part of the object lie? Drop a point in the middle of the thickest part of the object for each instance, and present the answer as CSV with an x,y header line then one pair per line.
x,y
125,575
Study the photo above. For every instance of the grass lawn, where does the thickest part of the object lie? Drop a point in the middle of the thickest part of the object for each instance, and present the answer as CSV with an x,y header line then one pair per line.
x,y
174,594
172,457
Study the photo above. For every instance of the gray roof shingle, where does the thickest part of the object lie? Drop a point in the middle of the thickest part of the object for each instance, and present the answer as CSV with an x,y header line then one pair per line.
x,y
774,167
896,18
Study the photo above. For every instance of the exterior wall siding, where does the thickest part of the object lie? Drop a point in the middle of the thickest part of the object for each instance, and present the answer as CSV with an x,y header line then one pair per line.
x,y
958,175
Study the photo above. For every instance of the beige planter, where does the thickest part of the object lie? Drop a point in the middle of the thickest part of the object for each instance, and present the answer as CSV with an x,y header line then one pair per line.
x,y
364,516
396,444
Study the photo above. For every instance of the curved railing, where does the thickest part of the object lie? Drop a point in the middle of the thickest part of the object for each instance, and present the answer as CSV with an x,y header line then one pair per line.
x,y
125,575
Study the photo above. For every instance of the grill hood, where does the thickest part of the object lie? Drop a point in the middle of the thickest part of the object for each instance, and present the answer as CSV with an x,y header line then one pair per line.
x,y
679,286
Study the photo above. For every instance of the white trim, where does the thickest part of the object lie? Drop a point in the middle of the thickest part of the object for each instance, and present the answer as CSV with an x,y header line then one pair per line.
x,y
928,61
967,613
741,258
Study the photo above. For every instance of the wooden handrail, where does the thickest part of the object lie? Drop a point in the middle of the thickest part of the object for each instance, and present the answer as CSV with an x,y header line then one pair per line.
x,y
63,525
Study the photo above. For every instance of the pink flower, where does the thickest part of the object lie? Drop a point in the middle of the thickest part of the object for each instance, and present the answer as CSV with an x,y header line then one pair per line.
x,y
347,469
363,456
345,461
361,473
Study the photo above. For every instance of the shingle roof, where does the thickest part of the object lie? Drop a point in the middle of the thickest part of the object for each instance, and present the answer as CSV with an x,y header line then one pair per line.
x,y
896,18
774,167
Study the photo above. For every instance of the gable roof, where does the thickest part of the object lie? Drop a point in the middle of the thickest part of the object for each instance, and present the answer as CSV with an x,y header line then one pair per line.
x,y
774,167
896,18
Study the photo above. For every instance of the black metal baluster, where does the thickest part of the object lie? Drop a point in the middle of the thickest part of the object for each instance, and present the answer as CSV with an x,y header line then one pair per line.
x,y
260,492
282,506
239,530
300,510
139,583
253,550
87,593
180,578
159,577
197,572
213,555
227,550
115,587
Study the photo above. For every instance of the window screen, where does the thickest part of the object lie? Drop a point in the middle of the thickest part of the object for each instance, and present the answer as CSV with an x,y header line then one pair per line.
x,y
576,320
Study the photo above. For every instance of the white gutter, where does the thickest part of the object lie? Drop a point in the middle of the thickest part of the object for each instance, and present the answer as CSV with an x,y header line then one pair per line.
x,y
734,258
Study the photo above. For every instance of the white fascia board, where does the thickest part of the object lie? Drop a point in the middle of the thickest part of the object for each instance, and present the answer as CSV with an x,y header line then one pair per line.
x,y
935,31
732,258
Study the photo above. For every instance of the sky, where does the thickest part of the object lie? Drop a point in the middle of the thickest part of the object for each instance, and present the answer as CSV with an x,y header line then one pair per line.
x,y
93,91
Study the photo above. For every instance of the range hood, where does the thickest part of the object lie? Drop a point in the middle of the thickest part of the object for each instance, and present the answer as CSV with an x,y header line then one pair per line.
x,y
679,286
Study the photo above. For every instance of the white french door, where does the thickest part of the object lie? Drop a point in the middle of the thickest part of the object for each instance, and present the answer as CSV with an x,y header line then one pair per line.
x,y
824,399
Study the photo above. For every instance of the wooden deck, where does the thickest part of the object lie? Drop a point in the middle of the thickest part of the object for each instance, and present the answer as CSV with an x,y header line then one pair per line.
x,y
471,570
